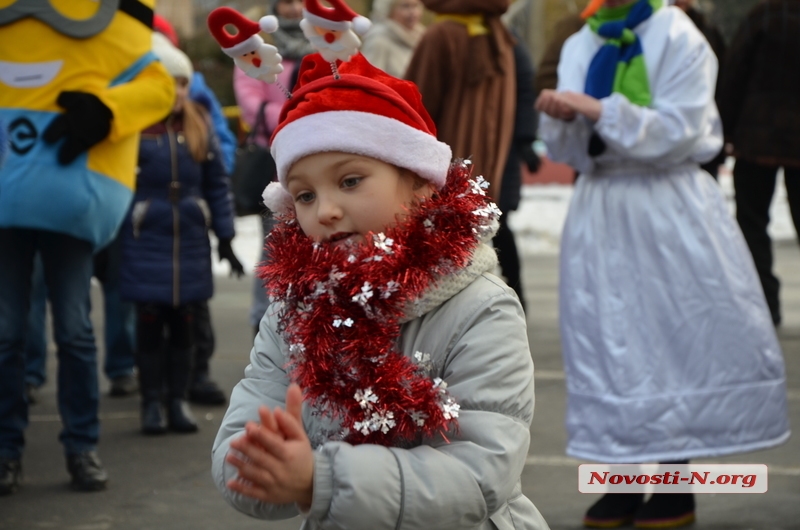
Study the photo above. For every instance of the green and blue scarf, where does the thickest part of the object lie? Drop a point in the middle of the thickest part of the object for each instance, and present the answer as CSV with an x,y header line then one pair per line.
x,y
619,64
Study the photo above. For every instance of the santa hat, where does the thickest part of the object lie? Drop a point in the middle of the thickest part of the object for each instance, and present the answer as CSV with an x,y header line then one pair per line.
x,y
337,17
246,39
365,112
175,61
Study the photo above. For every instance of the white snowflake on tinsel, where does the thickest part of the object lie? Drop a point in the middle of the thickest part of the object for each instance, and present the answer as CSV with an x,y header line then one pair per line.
x,y
327,287
365,398
481,184
363,426
382,242
378,421
427,223
384,422
297,347
424,361
363,297
490,211
450,408
335,276
338,322
448,405
390,288
351,258
319,289
418,417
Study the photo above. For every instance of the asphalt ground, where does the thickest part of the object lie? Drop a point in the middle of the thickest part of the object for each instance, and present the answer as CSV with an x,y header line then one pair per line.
x,y
164,482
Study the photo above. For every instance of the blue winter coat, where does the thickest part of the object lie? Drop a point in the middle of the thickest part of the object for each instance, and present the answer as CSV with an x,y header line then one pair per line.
x,y
165,245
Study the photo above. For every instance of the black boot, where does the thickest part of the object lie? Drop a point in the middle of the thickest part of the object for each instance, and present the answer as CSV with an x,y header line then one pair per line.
x,y
179,366
666,510
154,417
204,391
151,385
86,471
613,510
180,416
10,475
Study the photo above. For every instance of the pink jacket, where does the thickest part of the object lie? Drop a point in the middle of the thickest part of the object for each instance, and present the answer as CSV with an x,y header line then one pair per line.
x,y
250,93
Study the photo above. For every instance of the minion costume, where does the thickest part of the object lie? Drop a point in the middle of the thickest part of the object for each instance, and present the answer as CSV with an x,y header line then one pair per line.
x,y
74,104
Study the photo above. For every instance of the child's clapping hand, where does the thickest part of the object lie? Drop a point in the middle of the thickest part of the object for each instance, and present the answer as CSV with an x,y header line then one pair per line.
x,y
278,463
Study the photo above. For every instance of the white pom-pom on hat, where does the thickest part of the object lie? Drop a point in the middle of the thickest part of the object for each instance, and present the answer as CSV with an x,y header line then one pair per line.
x,y
268,24
361,24
277,199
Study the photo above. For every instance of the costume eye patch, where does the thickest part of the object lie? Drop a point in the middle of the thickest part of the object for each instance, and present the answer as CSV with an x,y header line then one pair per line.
x,y
79,19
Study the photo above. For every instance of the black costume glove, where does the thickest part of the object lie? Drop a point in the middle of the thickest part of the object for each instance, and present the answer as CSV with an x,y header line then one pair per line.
x,y
226,252
529,156
86,121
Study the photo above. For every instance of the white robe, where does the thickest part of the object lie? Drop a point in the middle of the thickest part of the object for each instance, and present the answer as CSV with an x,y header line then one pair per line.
x,y
669,348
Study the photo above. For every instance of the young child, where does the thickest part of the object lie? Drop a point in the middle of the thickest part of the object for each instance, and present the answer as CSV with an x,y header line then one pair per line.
x,y
182,190
390,384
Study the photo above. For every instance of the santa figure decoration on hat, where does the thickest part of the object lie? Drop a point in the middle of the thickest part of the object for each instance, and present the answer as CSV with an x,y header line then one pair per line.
x,y
248,50
333,31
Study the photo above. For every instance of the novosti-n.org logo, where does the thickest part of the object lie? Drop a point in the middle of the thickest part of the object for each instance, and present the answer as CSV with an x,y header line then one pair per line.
x,y
672,478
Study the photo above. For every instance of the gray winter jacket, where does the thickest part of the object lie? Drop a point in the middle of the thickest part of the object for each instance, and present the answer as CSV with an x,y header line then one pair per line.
x,y
478,344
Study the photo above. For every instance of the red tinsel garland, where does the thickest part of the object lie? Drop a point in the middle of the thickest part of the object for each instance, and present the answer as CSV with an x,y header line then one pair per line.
x,y
341,308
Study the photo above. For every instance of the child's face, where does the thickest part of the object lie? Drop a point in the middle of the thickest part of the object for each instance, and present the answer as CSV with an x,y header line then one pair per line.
x,y
341,197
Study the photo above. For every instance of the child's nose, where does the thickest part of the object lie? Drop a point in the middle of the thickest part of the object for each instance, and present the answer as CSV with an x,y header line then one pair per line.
x,y
328,210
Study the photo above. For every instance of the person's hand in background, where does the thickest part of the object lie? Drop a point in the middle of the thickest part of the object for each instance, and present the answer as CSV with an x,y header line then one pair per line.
x,y
85,122
226,252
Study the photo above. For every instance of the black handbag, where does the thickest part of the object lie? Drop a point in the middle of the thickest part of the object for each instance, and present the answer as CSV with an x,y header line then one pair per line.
x,y
255,168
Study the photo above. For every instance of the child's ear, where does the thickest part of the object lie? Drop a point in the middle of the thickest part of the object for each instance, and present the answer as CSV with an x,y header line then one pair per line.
x,y
421,184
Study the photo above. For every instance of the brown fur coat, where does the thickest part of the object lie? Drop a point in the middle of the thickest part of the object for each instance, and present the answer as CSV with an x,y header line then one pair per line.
x,y
468,85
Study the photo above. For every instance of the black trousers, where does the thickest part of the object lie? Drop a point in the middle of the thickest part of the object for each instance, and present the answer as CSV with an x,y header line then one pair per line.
x,y
164,349
508,256
204,341
159,325
755,186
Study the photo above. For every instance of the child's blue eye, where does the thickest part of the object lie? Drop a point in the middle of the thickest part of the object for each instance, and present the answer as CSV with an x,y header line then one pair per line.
x,y
351,182
305,197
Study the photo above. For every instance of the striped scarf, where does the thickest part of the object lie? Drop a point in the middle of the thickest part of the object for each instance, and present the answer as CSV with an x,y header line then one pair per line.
x,y
619,66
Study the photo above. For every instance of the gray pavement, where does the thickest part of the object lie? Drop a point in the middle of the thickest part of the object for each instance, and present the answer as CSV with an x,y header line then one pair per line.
x,y
164,482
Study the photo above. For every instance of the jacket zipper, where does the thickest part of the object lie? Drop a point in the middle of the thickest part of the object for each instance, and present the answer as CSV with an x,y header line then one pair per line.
x,y
176,231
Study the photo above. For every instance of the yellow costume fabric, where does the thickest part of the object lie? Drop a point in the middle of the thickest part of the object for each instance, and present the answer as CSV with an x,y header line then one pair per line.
x,y
89,197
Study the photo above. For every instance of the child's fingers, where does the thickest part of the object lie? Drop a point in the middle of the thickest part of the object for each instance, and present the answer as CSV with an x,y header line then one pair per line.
x,y
260,475
267,418
271,441
235,461
294,402
291,427
258,445
249,490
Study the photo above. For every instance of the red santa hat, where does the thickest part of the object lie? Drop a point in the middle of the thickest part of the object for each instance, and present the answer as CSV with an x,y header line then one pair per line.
x,y
366,112
246,39
337,17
